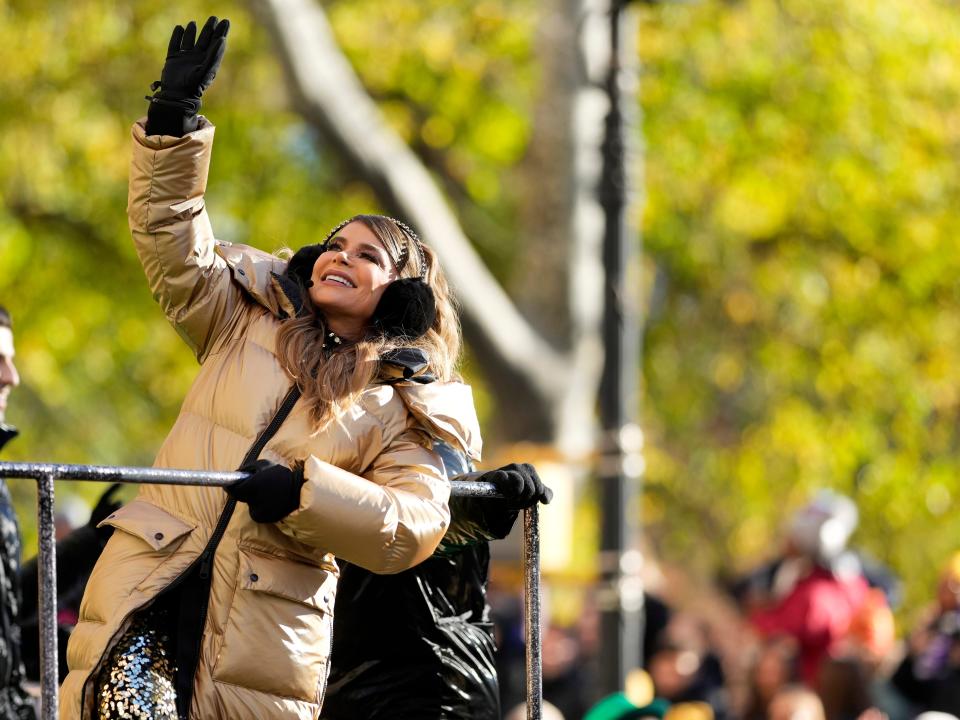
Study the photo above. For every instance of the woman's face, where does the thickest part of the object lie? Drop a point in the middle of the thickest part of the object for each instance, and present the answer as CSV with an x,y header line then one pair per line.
x,y
349,279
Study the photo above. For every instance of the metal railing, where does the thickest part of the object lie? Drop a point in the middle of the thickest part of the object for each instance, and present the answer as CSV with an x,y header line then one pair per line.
x,y
47,474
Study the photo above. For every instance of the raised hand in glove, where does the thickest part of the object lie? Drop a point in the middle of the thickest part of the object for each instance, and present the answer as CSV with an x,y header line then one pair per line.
x,y
190,68
272,491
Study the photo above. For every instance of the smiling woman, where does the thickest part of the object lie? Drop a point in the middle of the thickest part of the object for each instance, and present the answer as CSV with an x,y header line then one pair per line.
x,y
374,288
328,379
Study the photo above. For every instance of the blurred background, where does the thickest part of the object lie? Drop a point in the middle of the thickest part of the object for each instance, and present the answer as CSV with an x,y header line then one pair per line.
x,y
794,181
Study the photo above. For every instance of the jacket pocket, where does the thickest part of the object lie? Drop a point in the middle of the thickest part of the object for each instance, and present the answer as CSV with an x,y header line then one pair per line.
x,y
146,536
277,637
155,526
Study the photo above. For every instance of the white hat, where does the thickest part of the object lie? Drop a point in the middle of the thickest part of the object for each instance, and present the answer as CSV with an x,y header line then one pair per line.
x,y
822,527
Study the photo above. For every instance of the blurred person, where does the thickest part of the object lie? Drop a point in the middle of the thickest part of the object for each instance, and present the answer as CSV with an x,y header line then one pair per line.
x,y
566,667
776,666
507,613
823,526
326,379
844,687
77,553
15,703
684,667
929,675
565,679
795,702
872,635
618,707
817,591
63,525
633,705
419,644
621,706
657,615
857,676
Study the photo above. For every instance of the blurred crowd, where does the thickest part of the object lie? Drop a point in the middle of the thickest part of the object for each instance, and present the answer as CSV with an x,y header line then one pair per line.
x,y
809,635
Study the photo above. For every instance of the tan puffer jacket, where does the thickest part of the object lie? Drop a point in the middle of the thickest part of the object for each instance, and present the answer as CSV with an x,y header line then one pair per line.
x,y
375,494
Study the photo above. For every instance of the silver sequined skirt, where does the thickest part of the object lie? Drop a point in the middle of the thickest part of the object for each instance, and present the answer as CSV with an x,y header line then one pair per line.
x,y
137,682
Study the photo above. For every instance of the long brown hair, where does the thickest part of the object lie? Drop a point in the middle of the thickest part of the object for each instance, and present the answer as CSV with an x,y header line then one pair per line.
x,y
332,381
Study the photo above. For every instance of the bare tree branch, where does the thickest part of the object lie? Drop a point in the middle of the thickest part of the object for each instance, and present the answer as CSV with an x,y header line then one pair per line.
x,y
330,96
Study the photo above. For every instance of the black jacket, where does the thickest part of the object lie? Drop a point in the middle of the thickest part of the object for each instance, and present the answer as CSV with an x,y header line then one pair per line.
x,y
418,645
932,682
77,553
14,702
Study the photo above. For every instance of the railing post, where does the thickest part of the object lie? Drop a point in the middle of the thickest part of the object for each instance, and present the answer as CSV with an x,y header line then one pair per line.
x,y
49,678
531,603
46,474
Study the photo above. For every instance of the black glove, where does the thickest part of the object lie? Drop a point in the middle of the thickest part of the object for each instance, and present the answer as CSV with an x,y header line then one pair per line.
x,y
520,486
188,71
105,506
272,492
7,433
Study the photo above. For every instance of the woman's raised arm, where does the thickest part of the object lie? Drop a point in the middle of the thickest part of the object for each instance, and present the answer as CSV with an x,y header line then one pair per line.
x,y
168,178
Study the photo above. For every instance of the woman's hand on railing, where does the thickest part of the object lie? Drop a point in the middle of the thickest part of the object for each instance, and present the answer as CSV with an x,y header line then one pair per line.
x,y
271,492
519,488
519,485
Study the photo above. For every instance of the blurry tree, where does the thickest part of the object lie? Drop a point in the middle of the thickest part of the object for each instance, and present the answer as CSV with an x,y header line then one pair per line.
x,y
545,391
804,319
801,231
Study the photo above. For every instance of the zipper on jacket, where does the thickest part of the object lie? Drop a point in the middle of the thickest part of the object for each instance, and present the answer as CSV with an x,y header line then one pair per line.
x,y
181,579
206,557
183,680
188,671
326,672
205,562
270,430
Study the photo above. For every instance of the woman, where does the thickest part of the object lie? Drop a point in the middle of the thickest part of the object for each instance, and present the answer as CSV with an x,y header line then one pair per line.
x,y
220,604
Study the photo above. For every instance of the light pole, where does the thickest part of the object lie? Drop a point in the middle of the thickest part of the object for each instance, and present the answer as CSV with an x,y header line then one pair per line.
x,y
621,596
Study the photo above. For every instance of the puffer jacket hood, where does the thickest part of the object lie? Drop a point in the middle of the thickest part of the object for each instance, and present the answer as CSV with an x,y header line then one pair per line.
x,y
438,407
375,493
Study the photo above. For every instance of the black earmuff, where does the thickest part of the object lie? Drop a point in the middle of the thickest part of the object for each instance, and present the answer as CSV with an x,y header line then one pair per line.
x,y
406,309
300,266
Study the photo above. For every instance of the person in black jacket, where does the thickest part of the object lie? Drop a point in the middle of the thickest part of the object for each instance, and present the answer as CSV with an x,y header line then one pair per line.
x,y
419,645
77,553
15,704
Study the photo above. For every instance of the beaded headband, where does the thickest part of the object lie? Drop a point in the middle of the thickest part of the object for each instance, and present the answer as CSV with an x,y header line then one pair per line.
x,y
403,254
